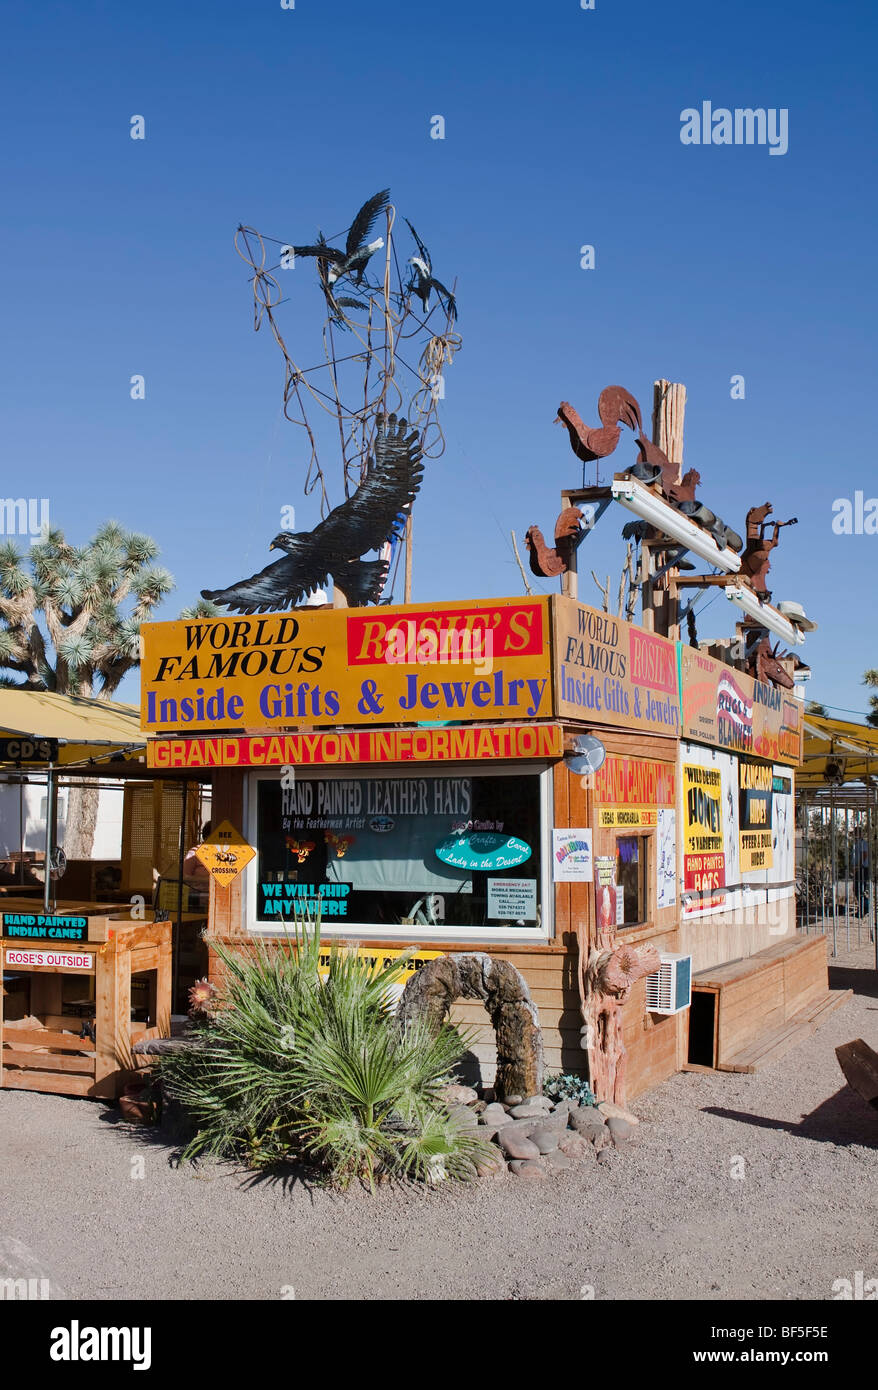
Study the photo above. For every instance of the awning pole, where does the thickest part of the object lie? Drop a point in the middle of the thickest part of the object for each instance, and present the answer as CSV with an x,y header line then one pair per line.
x,y
47,877
175,936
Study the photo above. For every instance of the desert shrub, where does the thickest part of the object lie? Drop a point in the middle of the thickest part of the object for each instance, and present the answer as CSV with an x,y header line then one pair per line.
x,y
569,1086
289,1065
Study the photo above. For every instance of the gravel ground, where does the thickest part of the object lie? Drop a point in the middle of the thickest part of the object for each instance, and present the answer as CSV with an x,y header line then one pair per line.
x,y
665,1219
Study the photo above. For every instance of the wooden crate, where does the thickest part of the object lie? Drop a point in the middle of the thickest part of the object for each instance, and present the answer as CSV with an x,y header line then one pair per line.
x,y
50,1055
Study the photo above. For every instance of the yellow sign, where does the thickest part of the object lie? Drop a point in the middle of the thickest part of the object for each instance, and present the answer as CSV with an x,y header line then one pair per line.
x,y
225,853
610,817
755,807
379,958
704,852
385,665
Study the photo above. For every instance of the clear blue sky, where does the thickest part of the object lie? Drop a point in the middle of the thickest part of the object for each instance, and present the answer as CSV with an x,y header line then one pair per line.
x,y
562,128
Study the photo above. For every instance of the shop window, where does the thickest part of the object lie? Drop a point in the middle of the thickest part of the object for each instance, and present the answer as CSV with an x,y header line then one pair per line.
x,y
632,853
363,851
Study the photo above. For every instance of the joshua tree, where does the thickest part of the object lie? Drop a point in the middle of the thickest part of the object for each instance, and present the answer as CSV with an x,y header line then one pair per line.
x,y
70,623
86,641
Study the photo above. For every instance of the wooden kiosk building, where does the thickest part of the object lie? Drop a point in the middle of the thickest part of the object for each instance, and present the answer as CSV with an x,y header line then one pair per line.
x,y
410,772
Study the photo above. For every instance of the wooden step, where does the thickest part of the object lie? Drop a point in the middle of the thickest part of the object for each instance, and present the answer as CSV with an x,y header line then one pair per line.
x,y
59,1083
776,1042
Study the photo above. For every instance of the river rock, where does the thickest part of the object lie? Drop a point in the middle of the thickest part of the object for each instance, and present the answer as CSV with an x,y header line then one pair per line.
x,y
574,1145
544,1101
491,1166
523,1168
495,1115
459,1095
545,1139
587,1121
557,1160
509,1101
528,1110
556,1120
516,1145
620,1130
609,1107
463,1117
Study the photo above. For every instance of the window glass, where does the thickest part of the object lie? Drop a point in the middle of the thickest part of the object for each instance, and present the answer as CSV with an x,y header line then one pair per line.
x,y
631,856
365,850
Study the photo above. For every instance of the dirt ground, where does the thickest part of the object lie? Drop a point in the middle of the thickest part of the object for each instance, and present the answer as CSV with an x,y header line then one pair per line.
x,y
752,1187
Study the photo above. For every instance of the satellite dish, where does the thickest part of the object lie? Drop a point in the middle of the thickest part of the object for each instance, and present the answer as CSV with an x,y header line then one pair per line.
x,y
586,755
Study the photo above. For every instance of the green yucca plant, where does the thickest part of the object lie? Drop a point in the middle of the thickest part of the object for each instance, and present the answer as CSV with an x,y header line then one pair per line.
x,y
292,1065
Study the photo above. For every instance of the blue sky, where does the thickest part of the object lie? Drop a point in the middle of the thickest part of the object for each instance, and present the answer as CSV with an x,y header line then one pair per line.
x,y
562,128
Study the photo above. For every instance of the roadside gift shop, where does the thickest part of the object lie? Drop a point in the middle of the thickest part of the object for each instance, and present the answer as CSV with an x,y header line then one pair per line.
x,y
422,776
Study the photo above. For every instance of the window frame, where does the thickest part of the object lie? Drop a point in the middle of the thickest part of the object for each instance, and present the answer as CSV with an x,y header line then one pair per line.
x,y
541,932
646,834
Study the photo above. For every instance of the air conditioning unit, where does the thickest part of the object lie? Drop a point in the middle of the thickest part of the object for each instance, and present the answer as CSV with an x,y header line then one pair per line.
x,y
669,989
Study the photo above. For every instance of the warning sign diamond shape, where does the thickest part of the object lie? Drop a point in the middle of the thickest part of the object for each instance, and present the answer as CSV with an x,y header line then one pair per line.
x,y
225,853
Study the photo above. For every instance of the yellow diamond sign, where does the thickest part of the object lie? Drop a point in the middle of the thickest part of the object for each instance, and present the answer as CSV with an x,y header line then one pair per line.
x,y
225,853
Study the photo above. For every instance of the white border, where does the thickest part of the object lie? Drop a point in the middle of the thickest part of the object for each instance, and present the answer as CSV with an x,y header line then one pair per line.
x,y
425,935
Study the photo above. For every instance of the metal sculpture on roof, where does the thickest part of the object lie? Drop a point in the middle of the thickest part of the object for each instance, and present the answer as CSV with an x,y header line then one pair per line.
x,y
568,534
756,558
360,524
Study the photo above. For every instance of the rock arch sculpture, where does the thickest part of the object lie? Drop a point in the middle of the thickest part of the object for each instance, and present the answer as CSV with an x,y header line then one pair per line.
x,y
430,993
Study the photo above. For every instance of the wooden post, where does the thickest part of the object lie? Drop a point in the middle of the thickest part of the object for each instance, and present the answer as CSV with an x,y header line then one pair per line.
x,y
668,419
407,582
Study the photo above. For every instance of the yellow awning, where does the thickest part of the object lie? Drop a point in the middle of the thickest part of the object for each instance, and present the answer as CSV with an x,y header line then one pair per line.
x,y
84,728
853,746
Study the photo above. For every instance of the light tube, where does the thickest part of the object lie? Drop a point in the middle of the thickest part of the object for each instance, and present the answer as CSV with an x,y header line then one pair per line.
x,y
670,522
765,615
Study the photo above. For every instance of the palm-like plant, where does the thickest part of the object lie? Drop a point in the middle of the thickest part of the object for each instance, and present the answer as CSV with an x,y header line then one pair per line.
x,y
291,1064
870,678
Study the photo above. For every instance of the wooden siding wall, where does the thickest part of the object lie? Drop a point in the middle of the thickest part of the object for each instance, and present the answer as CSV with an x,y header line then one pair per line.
x,y
656,1046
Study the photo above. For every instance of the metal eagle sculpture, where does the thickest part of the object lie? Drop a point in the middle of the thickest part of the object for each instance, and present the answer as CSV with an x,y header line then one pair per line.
x,y
361,523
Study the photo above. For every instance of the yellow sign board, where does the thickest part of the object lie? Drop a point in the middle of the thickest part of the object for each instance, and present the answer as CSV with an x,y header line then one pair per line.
x,y
225,853
612,817
482,661
381,958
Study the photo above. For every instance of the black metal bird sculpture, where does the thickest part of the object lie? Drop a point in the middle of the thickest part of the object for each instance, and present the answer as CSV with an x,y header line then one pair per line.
x,y
352,261
361,523
423,280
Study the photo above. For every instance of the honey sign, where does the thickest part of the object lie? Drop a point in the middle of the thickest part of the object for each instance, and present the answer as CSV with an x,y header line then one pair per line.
x,y
225,853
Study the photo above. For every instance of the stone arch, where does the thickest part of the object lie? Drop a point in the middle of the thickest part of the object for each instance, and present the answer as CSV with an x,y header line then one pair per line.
x,y
430,993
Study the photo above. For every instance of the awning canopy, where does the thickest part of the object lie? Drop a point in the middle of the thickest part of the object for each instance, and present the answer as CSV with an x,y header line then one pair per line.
x,y
847,751
85,729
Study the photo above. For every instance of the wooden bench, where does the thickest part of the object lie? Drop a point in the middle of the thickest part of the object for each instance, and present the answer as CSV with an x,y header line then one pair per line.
x,y
749,1012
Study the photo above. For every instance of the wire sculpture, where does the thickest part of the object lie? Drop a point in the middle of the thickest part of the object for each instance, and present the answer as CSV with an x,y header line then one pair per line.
x,y
397,323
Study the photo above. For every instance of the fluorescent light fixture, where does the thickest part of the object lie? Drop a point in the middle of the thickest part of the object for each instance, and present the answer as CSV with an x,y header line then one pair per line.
x,y
670,522
765,615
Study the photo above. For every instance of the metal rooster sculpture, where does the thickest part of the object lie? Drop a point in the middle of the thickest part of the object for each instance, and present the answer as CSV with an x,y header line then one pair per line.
x,y
616,407
362,523
568,534
653,468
